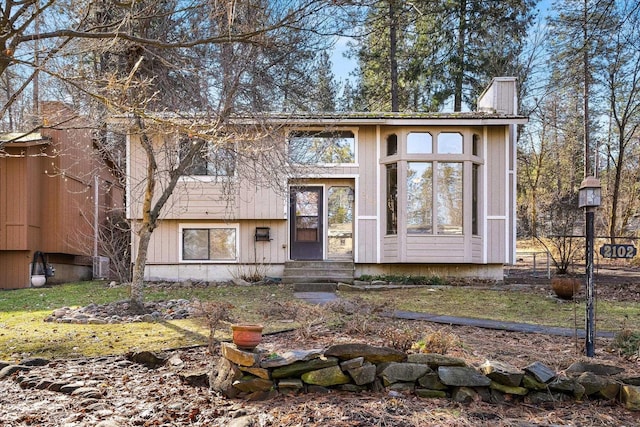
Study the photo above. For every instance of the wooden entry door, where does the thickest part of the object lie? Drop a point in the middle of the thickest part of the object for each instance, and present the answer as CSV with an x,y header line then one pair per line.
x,y
306,232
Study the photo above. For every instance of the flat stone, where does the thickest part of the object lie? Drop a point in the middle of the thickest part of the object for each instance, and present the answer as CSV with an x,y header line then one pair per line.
x,y
326,377
4,364
351,388
10,369
35,361
531,383
631,380
370,353
258,372
87,393
540,372
195,378
630,397
610,392
520,391
239,357
434,360
595,368
562,383
431,381
365,374
150,359
402,387
403,372
591,382
71,387
222,376
352,363
298,368
318,389
502,373
429,393
542,398
460,376
253,384
293,383
290,357
44,384
464,395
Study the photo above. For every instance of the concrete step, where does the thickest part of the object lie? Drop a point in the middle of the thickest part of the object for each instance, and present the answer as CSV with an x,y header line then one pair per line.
x,y
315,287
318,272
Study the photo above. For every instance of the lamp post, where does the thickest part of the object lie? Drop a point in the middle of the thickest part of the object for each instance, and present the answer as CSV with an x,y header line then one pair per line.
x,y
589,198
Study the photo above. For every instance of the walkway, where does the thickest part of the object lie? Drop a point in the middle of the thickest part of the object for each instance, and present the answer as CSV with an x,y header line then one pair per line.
x,y
325,297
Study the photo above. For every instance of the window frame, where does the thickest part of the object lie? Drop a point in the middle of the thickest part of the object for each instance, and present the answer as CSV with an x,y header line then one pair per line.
x,y
186,176
208,226
463,154
319,131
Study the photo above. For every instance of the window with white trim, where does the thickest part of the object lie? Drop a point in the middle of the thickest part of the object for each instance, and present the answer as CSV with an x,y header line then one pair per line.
x,y
209,243
432,165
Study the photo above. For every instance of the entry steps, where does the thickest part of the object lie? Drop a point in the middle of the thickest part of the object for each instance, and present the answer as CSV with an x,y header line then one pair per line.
x,y
322,274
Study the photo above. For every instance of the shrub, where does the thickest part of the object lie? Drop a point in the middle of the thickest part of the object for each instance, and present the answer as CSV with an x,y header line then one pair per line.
x,y
439,341
628,342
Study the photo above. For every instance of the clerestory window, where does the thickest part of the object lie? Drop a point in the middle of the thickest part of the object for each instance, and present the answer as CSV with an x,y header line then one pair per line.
x,y
322,147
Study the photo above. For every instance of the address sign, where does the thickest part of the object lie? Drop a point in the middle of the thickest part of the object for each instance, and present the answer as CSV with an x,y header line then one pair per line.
x,y
618,251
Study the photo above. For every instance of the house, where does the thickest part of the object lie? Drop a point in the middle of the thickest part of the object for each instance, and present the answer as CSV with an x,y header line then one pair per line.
x,y
366,193
54,190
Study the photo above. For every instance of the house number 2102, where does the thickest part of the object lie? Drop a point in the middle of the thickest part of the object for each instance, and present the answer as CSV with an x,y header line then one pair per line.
x,y
618,251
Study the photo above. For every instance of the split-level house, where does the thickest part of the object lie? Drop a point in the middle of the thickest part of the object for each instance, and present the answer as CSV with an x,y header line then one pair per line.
x,y
55,190
431,194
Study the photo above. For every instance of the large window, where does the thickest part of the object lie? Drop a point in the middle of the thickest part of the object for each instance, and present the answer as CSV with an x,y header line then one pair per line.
x,y
419,197
322,147
213,160
392,198
209,243
449,198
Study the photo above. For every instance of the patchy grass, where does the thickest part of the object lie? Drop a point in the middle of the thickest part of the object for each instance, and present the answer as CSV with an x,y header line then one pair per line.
x,y
23,330
510,306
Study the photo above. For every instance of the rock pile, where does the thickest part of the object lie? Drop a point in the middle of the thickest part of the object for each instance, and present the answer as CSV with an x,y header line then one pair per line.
x,y
254,375
121,312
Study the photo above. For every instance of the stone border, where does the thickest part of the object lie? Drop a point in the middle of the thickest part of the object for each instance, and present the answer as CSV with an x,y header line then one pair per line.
x,y
256,375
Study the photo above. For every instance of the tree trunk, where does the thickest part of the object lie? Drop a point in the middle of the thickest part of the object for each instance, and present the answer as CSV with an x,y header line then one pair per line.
x,y
458,75
137,282
393,60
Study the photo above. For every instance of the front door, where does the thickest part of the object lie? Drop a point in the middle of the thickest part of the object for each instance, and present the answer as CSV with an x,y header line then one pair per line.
x,y
305,209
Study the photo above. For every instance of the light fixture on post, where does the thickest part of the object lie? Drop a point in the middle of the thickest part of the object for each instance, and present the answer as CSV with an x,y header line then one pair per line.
x,y
589,198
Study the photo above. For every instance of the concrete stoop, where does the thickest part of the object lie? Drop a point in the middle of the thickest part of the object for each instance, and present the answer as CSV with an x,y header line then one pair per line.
x,y
315,272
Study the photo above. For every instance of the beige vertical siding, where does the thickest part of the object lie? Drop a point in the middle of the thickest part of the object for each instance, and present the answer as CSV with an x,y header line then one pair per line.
x,y
367,240
165,241
390,249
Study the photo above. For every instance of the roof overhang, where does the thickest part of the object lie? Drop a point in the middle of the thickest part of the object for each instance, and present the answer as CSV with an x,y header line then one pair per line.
x,y
350,119
21,140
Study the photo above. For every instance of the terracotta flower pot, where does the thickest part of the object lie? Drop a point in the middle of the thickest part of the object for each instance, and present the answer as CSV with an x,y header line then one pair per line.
x,y
565,287
247,336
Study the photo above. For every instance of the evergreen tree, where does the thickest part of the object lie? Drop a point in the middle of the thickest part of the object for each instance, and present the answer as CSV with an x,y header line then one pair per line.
x,y
325,90
419,54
